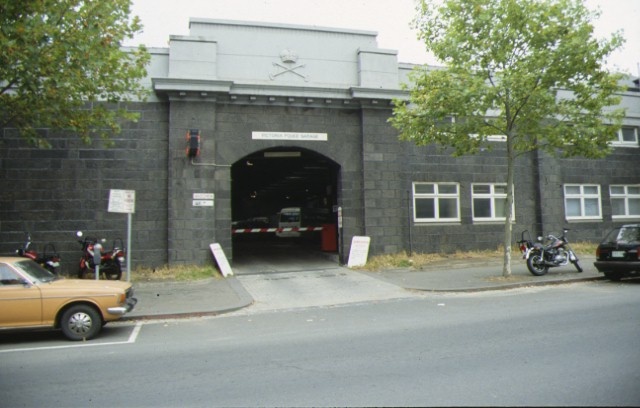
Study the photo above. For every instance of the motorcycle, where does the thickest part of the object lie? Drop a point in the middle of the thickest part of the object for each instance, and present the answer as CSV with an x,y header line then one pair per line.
x,y
50,259
111,261
548,252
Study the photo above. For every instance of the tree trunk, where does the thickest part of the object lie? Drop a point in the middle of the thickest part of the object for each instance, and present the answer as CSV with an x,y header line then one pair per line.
x,y
506,268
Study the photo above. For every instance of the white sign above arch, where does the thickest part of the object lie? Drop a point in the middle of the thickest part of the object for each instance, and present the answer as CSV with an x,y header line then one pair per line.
x,y
311,137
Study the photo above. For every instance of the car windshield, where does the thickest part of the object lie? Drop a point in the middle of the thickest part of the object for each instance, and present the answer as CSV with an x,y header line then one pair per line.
x,y
623,235
34,271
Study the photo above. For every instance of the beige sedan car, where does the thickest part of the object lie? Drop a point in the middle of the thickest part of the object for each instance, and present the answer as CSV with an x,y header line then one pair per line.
x,y
32,297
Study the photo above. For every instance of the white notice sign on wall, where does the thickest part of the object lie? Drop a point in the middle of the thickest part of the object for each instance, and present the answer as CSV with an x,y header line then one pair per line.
x,y
202,203
313,137
203,196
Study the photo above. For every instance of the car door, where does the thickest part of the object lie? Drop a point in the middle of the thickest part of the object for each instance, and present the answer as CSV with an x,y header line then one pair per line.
x,y
20,303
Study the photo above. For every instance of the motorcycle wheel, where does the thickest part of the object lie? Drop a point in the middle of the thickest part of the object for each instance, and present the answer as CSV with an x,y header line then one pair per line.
x,y
536,265
113,272
82,273
52,270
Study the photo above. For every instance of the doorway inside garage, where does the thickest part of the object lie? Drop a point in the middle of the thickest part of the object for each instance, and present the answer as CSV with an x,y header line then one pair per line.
x,y
283,206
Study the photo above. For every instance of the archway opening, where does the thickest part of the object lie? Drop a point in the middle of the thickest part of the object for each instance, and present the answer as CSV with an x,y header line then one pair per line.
x,y
283,203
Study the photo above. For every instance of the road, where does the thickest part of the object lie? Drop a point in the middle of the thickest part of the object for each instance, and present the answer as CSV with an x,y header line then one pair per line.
x,y
572,344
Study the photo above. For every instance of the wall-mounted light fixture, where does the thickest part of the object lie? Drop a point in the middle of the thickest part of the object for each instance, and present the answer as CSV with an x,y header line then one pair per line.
x,y
193,143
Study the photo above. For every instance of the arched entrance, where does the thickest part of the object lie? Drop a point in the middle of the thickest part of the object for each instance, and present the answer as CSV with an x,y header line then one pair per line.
x,y
290,178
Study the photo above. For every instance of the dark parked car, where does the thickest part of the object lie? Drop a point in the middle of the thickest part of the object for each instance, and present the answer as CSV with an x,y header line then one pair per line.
x,y
618,255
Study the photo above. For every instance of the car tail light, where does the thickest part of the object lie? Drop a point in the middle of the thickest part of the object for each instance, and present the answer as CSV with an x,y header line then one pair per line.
x,y
598,253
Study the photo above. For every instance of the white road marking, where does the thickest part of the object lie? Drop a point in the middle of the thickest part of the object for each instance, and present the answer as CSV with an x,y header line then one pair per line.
x,y
132,339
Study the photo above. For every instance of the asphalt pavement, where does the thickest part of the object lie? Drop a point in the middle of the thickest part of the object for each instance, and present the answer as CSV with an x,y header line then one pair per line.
x,y
213,296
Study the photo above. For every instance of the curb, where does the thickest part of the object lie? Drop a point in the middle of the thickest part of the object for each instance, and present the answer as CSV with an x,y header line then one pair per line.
x,y
165,316
508,286
245,300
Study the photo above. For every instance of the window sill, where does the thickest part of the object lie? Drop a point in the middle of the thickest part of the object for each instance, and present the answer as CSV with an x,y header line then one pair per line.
x,y
584,219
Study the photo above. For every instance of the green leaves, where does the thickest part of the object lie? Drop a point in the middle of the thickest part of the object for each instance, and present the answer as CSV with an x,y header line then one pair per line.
x,y
61,55
528,70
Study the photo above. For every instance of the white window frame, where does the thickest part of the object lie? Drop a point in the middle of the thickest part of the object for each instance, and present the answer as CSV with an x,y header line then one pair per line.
x,y
620,142
625,196
436,196
583,197
492,195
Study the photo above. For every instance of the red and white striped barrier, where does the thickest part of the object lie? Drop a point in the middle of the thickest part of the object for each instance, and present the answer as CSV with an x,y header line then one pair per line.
x,y
257,230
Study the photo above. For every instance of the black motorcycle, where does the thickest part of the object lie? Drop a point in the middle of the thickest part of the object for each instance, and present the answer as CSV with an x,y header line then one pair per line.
x,y
548,252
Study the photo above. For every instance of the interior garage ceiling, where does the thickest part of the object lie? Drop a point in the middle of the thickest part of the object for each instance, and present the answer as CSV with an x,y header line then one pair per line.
x,y
266,181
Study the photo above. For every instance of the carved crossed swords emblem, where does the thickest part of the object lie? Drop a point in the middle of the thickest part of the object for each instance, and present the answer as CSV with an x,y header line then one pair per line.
x,y
292,69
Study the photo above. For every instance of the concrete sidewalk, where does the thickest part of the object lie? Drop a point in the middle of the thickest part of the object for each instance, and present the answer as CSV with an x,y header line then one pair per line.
x,y
474,275
219,295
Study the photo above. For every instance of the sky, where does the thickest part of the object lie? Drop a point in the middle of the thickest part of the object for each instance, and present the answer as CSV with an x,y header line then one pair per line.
x,y
389,18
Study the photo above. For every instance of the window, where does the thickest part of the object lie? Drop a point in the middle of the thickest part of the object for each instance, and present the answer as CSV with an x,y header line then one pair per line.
x,y
627,136
625,201
582,201
8,276
434,202
489,202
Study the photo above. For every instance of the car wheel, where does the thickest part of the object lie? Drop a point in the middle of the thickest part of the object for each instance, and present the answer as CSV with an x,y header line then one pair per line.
x,y
81,322
613,276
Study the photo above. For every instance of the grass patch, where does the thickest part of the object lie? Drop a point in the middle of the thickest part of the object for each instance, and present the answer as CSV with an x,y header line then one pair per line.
x,y
583,248
174,273
401,260
417,260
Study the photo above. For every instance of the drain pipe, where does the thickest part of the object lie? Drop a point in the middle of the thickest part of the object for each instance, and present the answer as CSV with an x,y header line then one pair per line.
x,y
210,164
410,219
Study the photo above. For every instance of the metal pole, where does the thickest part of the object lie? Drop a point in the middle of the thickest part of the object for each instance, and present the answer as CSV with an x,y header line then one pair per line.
x,y
128,247
340,239
97,258
410,219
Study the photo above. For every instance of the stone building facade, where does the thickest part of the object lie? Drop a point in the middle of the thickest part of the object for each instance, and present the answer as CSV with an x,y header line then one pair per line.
x,y
253,89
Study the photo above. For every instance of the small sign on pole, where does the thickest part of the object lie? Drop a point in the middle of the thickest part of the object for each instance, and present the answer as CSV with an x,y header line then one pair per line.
x,y
124,201
221,259
359,251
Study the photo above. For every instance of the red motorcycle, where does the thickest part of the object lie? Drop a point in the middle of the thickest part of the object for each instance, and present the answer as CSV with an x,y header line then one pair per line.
x,y
50,259
111,261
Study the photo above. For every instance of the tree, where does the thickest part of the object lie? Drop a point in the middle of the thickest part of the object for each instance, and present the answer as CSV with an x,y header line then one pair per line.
x,y
62,67
530,71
